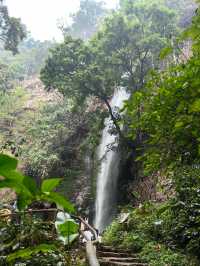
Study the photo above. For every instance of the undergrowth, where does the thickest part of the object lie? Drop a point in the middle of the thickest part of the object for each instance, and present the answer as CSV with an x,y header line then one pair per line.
x,y
164,233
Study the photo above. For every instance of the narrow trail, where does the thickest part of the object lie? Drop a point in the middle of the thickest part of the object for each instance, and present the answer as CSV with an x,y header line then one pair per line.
x,y
109,256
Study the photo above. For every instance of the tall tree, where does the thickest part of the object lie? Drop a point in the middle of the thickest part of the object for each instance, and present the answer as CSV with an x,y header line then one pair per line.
x,y
75,69
186,10
132,39
121,53
86,20
12,31
170,112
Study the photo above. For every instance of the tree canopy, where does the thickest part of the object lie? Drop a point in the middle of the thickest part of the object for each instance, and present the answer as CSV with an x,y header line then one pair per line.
x,y
121,53
124,49
12,31
170,111
86,20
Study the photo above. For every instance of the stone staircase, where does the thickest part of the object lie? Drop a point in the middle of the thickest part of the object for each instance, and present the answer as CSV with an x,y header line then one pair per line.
x,y
109,256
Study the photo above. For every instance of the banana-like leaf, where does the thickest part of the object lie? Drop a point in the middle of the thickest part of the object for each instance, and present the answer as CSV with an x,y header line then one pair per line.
x,y
59,200
7,163
18,187
49,184
68,228
31,185
13,175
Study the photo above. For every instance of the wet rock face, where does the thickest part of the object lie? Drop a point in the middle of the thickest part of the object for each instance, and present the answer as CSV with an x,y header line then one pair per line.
x,y
82,196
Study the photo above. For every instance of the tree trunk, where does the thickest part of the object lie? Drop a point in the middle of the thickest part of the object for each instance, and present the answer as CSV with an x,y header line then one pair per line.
x,y
113,118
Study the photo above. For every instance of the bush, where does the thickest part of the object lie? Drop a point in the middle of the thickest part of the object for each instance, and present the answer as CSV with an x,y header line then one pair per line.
x,y
114,234
158,255
133,241
159,232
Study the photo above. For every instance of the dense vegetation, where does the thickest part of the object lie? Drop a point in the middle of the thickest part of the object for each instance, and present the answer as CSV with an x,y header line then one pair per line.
x,y
28,234
164,114
150,48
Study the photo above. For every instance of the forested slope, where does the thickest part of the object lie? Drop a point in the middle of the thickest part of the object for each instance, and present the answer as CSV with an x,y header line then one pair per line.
x,y
53,126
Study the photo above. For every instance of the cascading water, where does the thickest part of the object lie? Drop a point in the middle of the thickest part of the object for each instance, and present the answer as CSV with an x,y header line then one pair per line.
x,y
109,169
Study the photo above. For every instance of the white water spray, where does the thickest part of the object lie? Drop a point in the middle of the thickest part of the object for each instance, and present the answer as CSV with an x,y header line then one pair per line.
x,y
109,169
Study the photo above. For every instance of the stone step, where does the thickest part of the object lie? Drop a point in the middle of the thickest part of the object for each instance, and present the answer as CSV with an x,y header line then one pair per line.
x,y
115,250
114,254
122,259
111,263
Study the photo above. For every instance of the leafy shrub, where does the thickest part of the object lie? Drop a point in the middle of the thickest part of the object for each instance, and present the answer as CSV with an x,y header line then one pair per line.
x,y
26,236
181,220
158,232
159,255
114,234
133,241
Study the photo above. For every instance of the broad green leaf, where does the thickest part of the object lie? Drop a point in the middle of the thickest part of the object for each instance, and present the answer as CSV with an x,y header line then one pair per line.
x,y
7,163
30,184
68,228
68,231
18,187
11,184
68,240
49,184
28,252
59,200
23,201
12,174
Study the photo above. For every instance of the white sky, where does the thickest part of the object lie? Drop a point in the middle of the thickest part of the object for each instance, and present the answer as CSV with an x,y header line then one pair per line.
x,y
41,16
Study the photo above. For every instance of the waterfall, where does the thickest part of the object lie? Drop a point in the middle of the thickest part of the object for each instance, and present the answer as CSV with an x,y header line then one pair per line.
x,y
109,169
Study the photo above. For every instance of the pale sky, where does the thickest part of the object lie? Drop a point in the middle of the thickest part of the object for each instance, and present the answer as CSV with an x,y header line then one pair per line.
x,y
41,16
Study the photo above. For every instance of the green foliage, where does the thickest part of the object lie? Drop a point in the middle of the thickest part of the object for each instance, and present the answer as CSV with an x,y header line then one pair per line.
x,y
156,230
170,95
69,230
181,221
165,114
29,243
29,252
49,185
7,163
28,61
86,20
50,139
136,35
5,78
186,10
12,30
28,193
80,70
114,234
159,255
148,231
26,187
133,241
11,105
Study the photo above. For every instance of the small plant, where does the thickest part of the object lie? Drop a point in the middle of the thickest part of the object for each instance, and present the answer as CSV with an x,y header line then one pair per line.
x,y
29,236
